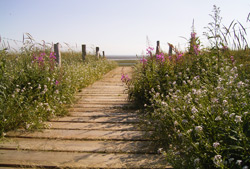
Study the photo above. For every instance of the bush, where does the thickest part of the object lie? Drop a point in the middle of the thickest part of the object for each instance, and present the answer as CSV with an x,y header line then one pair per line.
x,y
198,108
33,89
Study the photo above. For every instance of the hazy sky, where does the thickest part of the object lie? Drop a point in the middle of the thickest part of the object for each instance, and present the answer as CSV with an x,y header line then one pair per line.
x,y
116,26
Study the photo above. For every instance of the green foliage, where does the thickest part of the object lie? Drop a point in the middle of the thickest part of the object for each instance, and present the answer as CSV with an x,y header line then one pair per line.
x,y
33,89
201,117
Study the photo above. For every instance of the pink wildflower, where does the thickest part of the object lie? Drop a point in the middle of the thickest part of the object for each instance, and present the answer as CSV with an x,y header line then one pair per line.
x,y
52,56
232,59
179,56
57,82
160,57
149,50
125,78
143,61
193,34
196,49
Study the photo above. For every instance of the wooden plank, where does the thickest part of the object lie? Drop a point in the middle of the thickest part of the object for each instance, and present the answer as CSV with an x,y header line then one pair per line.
x,y
82,135
81,160
79,146
99,105
104,100
116,95
103,114
89,109
95,102
93,126
114,119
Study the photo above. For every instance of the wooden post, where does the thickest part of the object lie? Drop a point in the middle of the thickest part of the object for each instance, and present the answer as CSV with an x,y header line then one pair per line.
x,y
83,52
170,49
157,47
57,54
97,52
103,54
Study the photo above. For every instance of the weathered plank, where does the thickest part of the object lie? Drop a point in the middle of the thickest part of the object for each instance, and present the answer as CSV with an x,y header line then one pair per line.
x,y
84,105
82,135
78,146
114,119
81,160
93,126
103,114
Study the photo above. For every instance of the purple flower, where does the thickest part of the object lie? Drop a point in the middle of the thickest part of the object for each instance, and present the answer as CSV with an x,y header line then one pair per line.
x,y
232,59
193,34
125,78
149,50
57,82
160,57
52,56
179,56
42,54
143,61
169,57
196,49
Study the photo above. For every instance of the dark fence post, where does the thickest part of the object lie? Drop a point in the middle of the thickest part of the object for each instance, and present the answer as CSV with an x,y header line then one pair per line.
x,y
58,54
103,54
170,50
157,47
83,52
97,52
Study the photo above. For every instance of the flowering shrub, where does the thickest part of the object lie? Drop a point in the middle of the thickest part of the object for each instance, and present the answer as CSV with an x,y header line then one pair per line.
x,y
201,116
34,89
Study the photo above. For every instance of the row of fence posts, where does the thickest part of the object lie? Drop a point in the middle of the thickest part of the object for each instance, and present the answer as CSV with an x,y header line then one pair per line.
x,y
58,53
158,49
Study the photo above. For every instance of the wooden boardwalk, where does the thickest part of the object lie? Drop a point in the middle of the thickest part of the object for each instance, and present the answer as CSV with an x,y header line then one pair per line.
x,y
98,133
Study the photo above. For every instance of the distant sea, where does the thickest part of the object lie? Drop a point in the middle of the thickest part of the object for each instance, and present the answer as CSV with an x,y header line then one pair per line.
x,y
123,57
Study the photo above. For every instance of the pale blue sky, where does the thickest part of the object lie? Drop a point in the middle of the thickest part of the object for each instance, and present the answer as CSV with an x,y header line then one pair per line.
x,y
116,26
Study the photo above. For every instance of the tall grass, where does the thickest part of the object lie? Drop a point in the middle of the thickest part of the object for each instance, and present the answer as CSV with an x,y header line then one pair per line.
x,y
33,88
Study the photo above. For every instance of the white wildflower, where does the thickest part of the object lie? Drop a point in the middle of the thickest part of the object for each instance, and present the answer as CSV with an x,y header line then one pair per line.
x,y
216,144
231,115
218,118
184,121
217,160
239,162
225,112
160,150
224,102
196,161
240,84
189,131
194,110
198,128
237,119
158,86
